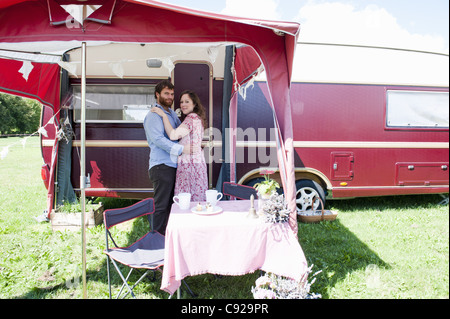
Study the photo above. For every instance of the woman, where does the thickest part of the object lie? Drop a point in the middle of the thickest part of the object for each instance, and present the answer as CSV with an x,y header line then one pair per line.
x,y
191,172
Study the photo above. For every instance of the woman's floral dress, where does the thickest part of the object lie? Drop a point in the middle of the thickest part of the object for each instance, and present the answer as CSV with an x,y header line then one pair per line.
x,y
191,172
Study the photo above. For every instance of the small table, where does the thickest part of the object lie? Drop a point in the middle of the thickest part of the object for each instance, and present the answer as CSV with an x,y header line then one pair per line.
x,y
228,243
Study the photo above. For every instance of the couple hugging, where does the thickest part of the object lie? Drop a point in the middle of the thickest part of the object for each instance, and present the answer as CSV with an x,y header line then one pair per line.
x,y
177,163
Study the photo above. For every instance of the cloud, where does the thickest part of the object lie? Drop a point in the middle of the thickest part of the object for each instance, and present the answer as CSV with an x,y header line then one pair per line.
x,y
340,23
258,9
335,22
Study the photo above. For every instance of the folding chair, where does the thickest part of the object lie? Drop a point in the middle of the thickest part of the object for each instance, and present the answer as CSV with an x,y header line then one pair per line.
x,y
239,191
146,253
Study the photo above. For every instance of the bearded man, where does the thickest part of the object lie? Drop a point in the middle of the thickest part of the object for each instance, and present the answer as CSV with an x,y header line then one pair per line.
x,y
163,155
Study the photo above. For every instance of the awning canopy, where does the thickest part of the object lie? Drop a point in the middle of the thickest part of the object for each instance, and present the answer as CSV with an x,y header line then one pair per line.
x,y
54,26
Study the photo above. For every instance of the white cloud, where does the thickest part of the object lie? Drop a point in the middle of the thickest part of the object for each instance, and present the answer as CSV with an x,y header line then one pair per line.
x,y
258,9
335,22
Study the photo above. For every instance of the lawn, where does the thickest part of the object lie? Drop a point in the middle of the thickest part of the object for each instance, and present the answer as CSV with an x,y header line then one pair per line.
x,y
389,248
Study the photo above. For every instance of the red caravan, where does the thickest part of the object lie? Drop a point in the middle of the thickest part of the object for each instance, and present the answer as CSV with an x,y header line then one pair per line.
x,y
368,121
392,137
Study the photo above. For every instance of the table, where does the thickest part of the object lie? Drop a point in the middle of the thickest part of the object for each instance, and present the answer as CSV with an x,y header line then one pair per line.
x,y
228,243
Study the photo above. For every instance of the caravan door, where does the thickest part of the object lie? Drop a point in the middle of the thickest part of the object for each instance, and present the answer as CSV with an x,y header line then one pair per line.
x,y
198,77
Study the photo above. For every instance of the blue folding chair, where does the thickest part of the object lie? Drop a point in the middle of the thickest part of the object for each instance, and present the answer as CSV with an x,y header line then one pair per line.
x,y
239,191
146,253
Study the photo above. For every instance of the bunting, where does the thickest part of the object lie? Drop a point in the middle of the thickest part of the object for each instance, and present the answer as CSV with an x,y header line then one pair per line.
x,y
117,67
5,150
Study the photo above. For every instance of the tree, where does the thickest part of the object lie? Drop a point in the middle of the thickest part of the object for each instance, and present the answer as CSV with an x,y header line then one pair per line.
x,y
18,115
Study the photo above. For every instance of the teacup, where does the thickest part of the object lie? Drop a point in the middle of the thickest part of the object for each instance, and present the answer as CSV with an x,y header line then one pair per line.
x,y
183,200
213,196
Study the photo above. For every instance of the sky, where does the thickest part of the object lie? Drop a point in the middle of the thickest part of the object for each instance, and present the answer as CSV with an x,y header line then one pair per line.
x,y
408,24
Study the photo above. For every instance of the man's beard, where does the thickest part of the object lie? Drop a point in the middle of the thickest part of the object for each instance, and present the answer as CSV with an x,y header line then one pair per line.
x,y
165,102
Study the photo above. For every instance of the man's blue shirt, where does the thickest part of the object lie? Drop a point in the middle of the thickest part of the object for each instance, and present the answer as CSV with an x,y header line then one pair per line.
x,y
162,149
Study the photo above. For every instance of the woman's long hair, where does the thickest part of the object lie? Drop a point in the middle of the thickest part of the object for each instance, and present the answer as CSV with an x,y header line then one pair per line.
x,y
198,107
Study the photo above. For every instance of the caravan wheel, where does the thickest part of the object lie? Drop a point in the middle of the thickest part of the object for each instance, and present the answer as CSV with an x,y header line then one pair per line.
x,y
308,192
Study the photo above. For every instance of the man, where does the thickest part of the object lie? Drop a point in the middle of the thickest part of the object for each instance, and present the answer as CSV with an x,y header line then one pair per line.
x,y
163,154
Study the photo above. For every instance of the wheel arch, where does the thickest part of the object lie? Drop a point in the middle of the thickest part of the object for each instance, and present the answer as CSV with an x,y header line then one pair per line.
x,y
314,175
300,173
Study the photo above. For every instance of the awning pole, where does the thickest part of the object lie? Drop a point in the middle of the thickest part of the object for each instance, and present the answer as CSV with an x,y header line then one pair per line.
x,y
83,165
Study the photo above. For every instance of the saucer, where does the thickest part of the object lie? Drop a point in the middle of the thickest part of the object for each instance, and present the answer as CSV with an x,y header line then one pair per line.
x,y
216,210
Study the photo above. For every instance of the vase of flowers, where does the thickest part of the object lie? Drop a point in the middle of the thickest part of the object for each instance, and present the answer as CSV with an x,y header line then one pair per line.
x,y
267,186
265,189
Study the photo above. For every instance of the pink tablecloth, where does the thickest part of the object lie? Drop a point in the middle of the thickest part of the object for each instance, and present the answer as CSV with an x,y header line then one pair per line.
x,y
228,243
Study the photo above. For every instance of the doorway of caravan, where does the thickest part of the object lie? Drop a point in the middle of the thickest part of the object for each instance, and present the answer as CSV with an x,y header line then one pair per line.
x,y
198,78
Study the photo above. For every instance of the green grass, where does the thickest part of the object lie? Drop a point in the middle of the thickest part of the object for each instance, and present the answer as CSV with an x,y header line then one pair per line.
x,y
391,247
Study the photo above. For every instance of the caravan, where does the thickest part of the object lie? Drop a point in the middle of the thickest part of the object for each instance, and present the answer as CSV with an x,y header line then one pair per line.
x,y
367,121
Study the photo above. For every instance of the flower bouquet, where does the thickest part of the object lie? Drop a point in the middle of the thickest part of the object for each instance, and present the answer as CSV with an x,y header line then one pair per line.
x,y
271,286
275,209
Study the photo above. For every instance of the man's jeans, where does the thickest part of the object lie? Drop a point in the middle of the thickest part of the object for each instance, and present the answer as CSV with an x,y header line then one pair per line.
x,y
163,180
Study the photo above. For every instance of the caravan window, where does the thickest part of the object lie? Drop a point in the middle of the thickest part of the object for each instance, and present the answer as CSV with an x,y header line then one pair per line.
x,y
417,109
114,103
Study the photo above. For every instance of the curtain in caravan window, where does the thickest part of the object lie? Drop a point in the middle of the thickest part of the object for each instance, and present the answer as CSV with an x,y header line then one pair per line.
x,y
417,109
114,102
